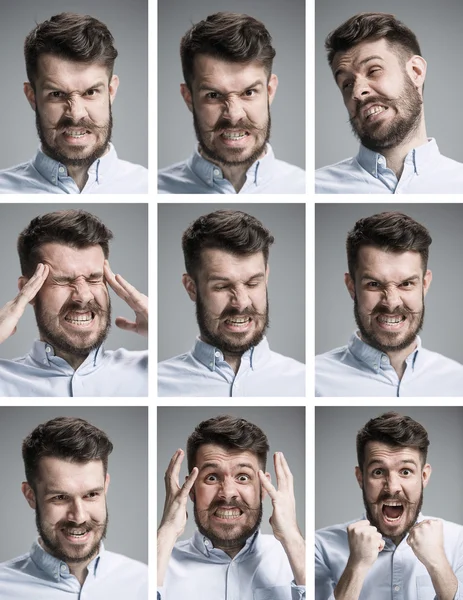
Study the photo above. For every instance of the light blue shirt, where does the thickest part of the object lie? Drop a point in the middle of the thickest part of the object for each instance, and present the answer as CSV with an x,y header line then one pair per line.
x,y
260,571
360,370
425,171
397,573
199,176
43,175
39,576
204,372
103,373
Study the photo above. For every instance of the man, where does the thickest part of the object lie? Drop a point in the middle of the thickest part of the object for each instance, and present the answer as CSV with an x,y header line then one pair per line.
x,y
71,88
226,260
388,278
393,551
65,277
229,87
228,557
377,64
66,462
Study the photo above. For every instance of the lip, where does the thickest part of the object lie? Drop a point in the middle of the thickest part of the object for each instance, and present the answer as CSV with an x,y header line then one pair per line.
x,y
395,522
235,142
226,516
76,541
390,326
232,323
81,325
369,115
76,141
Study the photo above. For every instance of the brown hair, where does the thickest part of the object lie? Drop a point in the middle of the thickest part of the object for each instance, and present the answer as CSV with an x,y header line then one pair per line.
x,y
230,433
391,232
75,228
80,38
227,36
394,430
229,230
66,438
372,26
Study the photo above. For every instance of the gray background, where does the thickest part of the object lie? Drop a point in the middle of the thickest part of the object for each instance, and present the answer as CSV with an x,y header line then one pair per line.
x,y
283,426
177,327
334,308
128,23
437,26
285,23
338,497
128,255
127,428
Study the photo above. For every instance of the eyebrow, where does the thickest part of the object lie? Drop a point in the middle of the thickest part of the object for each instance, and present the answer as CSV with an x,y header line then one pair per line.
x,y
70,279
204,87
58,492
213,465
260,275
341,71
376,461
367,277
51,85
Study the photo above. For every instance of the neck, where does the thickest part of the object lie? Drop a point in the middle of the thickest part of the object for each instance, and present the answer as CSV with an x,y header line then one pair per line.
x,y
79,174
72,359
395,157
398,358
232,552
235,174
234,360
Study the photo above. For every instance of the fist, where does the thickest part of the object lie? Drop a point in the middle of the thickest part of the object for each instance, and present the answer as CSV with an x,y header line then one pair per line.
x,y
426,539
365,543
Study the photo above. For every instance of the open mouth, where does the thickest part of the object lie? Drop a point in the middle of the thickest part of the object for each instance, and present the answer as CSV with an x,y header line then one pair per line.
x,y
392,511
228,513
371,112
75,534
238,323
80,319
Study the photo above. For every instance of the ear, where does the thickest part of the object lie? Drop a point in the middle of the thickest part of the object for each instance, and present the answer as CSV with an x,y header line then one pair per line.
x,y
113,85
29,494
350,285
30,95
186,95
267,272
190,286
416,69
106,483
359,476
426,474
264,491
427,281
21,283
272,87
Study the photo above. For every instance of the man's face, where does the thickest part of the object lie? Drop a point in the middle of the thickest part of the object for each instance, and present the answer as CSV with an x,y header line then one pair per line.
x,y
72,308
70,504
231,299
230,105
72,102
227,495
384,104
388,295
392,484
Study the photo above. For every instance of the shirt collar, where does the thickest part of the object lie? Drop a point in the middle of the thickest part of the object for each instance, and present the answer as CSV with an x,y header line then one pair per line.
x,y
209,173
56,568
374,358
204,545
54,171
44,353
211,356
419,158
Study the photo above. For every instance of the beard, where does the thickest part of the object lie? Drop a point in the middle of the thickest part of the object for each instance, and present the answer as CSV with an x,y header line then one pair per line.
x,y
54,546
379,136
373,339
73,159
238,344
385,496
232,156
60,340
220,536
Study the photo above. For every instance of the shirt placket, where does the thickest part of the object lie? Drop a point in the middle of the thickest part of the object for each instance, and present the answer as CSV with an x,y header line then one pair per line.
x,y
397,583
232,588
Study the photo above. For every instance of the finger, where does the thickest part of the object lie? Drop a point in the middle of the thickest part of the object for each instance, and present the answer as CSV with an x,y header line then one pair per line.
x,y
381,545
189,482
280,471
268,487
32,286
285,466
173,470
123,288
125,324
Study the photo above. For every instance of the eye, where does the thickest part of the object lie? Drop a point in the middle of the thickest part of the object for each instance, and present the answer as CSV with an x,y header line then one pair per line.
x,y
243,478
98,280
346,85
59,498
250,93
56,94
373,284
377,473
406,472
212,95
374,70
92,495
407,284
211,478
92,92
252,284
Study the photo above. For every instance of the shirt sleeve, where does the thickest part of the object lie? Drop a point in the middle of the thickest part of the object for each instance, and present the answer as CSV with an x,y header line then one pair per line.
x,y
297,591
324,584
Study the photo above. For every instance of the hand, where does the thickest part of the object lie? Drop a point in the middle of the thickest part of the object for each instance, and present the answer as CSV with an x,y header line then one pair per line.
x,y
175,516
137,301
426,539
14,309
283,519
365,543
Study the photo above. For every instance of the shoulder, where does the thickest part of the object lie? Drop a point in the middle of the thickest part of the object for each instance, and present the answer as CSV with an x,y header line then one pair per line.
x,y
286,361
22,178
441,362
127,358
332,178
333,535
15,564
178,178
117,561
131,168
176,363
332,357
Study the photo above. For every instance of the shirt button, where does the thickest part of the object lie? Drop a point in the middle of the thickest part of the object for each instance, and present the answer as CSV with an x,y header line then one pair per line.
x,y
48,349
384,358
216,172
206,543
397,588
217,354
63,567
53,178
61,169
44,361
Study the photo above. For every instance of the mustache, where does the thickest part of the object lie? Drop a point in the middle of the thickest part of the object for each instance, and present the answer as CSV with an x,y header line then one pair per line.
x,y
232,503
91,306
396,497
86,525
83,123
402,311
244,124
246,312
384,100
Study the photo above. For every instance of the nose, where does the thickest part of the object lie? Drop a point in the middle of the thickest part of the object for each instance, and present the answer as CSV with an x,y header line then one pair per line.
x,y
392,483
391,297
228,489
240,298
81,292
233,110
360,89
76,511
76,108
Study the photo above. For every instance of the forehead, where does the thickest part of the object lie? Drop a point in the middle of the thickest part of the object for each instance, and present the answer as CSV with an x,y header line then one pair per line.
x,y
219,263
388,265
380,453
63,475
226,76
55,70
359,55
223,459
66,260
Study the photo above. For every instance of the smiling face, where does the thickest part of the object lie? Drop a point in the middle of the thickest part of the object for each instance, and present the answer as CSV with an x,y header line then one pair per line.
x,y
230,105
231,299
72,308
392,483
70,505
227,496
388,295
381,93
72,101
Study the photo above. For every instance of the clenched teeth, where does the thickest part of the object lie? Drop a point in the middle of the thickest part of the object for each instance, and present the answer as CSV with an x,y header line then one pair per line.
x,y
75,134
374,110
234,135
390,320
238,321
228,513
79,318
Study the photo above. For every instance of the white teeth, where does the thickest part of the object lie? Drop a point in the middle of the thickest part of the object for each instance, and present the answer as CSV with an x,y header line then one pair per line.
x,y
234,135
79,318
238,321
392,503
228,514
374,110
76,134
390,320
